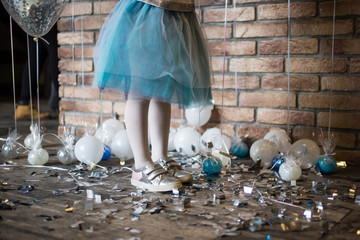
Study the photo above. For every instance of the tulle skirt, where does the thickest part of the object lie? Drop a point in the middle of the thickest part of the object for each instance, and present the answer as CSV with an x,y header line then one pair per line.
x,y
149,52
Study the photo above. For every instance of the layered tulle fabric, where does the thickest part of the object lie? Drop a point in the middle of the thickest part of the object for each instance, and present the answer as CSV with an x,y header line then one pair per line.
x,y
150,52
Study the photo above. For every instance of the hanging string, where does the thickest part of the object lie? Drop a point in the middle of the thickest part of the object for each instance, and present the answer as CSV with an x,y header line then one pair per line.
x,y
234,33
288,70
223,70
13,70
37,80
29,72
73,57
82,69
101,90
332,67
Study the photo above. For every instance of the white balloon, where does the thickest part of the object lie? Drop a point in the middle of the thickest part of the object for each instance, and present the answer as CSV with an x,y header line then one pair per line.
x,y
89,150
219,141
289,171
105,133
280,138
187,141
264,150
120,146
306,151
172,133
38,156
114,123
198,116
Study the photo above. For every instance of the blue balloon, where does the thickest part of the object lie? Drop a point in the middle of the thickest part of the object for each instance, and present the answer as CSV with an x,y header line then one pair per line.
x,y
240,149
107,153
277,161
212,166
326,164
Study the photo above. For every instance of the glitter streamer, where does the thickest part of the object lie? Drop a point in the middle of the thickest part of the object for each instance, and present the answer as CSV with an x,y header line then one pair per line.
x,y
332,68
223,70
13,70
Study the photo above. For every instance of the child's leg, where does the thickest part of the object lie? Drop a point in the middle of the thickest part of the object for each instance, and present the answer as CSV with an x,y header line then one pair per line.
x,y
136,120
159,124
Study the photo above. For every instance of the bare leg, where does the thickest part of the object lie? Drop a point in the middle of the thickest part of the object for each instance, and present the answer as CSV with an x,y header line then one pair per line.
x,y
136,120
159,123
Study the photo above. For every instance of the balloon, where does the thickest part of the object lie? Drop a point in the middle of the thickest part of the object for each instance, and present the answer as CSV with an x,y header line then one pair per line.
x,y
212,166
307,151
105,133
89,150
107,153
240,149
277,161
31,140
198,116
113,124
35,17
172,133
280,138
263,150
10,151
120,146
289,171
66,156
38,156
326,164
219,141
187,141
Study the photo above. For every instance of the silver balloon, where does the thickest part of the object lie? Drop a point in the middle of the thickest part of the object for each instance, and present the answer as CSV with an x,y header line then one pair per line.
x,y
35,17
66,156
10,151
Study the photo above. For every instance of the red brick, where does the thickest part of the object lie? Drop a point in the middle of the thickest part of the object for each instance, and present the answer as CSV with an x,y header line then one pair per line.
x,y
65,52
119,108
342,8
340,83
258,64
297,46
266,99
75,38
321,27
78,66
226,98
233,114
105,7
276,116
113,95
297,83
280,11
218,14
176,112
217,32
343,139
355,65
339,120
66,105
317,65
339,102
88,79
341,46
89,23
255,1
218,64
87,51
253,131
243,82
78,92
79,9
350,157
67,79
233,48
93,107
64,25
210,2
261,29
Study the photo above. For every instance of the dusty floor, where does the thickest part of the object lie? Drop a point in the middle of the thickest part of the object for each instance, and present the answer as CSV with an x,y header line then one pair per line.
x,y
48,203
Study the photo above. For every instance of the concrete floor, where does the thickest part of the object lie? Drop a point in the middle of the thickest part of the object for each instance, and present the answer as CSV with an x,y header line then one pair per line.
x,y
51,203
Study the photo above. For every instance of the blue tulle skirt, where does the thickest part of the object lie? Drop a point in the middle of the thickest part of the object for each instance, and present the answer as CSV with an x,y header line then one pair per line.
x,y
149,52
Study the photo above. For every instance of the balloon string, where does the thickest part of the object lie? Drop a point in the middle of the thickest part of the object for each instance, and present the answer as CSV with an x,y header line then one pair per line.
x,y
99,15
223,70
13,70
236,72
332,68
30,82
288,70
37,80
101,90
82,69
73,56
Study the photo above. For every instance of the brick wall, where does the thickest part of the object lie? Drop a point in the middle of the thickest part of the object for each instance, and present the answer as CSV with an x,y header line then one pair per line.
x,y
257,50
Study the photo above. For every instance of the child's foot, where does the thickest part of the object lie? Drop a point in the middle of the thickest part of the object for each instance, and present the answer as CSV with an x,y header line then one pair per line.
x,y
154,178
174,169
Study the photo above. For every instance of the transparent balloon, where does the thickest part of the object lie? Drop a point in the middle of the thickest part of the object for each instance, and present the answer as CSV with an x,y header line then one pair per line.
x,y
89,150
38,156
212,138
187,141
280,138
106,133
120,146
113,124
66,155
172,133
34,139
198,116
11,149
263,150
306,151
35,17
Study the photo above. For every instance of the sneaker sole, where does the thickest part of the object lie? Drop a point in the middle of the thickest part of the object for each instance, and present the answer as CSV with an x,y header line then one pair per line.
x,y
152,188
